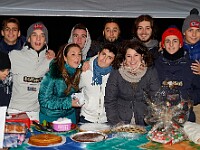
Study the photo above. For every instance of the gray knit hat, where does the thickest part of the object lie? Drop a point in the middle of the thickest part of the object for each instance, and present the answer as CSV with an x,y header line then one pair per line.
x,y
193,20
37,25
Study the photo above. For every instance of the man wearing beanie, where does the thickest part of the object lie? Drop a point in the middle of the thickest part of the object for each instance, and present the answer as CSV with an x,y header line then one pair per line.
x,y
191,32
5,80
173,64
28,67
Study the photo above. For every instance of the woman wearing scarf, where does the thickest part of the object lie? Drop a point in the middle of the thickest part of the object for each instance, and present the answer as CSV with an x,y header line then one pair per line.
x,y
93,83
59,83
133,76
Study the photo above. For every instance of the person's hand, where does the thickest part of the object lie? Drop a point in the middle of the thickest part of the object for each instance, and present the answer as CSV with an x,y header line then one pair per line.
x,y
50,54
196,67
86,66
75,103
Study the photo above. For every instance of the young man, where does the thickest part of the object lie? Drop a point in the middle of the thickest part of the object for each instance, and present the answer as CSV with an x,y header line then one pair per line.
x,y
28,67
11,35
93,84
81,36
191,32
5,80
174,65
111,34
144,30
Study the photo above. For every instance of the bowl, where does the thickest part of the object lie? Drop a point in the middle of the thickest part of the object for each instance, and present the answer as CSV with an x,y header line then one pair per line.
x,y
62,127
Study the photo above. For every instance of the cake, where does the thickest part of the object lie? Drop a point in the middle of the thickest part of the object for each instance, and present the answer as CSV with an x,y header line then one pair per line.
x,y
89,137
44,139
98,127
15,127
130,129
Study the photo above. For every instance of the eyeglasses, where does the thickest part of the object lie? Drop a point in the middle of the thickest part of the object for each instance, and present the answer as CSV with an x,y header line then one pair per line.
x,y
11,29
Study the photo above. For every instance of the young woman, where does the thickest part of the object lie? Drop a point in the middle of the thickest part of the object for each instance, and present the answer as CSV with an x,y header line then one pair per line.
x,y
134,76
59,83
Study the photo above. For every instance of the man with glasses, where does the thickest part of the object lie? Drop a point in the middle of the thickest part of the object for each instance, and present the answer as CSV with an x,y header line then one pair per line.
x,y
11,35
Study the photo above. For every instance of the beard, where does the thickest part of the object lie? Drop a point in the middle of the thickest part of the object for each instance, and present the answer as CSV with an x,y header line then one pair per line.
x,y
144,39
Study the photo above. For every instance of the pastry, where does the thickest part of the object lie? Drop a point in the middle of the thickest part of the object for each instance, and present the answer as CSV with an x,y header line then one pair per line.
x,y
98,127
89,137
130,129
44,139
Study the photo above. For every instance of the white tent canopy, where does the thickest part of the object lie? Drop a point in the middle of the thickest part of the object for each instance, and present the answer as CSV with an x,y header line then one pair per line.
x,y
99,8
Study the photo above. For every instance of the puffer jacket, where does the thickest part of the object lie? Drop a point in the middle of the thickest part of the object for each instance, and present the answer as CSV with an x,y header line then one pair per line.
x,y
54,103
179,70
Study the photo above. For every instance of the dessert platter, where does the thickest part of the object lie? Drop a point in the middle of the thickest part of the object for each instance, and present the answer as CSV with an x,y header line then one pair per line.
x,y
45,140
88,137
97,127
130,128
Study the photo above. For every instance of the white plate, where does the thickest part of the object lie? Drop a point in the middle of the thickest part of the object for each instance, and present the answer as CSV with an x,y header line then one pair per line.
x,y
58,144
100,137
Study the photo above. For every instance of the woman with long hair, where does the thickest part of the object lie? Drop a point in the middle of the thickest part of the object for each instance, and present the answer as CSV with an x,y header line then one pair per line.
x,y
59,83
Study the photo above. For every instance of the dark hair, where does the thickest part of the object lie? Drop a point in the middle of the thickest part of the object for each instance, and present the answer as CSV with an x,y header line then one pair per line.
x,y
111,47
71,82
139,47
144,18
80,26
10,20
110,20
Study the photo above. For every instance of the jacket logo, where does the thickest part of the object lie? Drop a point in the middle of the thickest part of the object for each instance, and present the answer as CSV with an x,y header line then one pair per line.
x,y
32,79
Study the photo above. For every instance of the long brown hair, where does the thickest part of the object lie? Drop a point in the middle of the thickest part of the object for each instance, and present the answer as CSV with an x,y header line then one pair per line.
x,y
145,18
71,82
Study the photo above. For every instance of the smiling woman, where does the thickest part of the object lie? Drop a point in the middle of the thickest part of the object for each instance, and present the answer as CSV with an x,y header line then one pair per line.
x,y
58,85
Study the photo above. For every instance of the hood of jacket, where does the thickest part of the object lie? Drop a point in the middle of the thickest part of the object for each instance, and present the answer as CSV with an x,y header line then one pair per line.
x,y
87,43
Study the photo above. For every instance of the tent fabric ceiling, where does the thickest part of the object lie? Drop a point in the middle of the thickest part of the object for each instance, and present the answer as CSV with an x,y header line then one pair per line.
x,y
99,8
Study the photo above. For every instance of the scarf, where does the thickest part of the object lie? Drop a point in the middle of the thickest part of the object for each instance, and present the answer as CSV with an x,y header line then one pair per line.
x,y
132,75
71,71
99,72
175,56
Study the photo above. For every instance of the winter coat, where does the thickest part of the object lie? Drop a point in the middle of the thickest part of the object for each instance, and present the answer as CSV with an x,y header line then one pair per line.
x,y
5,91
97,45
54,103
193,50
28,68
93,110
179,70
122,100
4,47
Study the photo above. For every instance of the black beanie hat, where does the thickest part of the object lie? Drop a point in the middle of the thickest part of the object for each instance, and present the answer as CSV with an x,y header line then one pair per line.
x,y
4,61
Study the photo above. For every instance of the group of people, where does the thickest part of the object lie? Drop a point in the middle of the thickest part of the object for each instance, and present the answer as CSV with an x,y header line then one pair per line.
x,y
110,74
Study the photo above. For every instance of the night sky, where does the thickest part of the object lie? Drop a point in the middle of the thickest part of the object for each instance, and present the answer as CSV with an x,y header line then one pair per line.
x,y
59,28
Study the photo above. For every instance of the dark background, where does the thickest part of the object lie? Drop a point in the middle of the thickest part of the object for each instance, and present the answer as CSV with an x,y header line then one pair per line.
x,y
59,28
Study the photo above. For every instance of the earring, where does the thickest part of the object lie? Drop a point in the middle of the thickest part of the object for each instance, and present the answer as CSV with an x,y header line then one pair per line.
x,y
79,66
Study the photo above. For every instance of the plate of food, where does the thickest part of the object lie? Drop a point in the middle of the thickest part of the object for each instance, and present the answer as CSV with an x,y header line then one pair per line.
x,y
46,140
129,128
97,127
89,137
